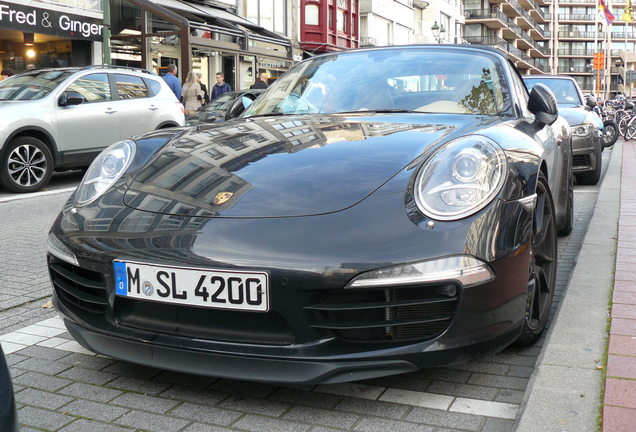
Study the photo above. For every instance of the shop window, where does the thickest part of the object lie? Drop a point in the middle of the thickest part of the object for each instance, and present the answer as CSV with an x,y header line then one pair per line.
x,y
94,87
311,14
130,87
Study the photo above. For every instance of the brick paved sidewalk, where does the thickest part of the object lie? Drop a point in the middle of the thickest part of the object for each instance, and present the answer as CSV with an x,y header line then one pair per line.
x,y
619,406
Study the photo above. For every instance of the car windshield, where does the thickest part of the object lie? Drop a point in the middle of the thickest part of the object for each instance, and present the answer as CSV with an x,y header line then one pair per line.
x,y
394,80
222,103
564,90
32,85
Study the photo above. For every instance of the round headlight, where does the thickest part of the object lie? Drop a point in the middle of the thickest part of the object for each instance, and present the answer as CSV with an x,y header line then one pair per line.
x,y
105,170
460,178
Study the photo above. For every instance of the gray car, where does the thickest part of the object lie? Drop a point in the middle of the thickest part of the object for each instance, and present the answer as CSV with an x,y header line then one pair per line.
x,y
62,118
587,146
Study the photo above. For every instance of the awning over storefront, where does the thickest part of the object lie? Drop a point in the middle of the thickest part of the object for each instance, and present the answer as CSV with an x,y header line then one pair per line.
x,y
223,18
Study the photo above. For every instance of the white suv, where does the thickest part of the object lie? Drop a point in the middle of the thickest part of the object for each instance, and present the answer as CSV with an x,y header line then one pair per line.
x,y
63,118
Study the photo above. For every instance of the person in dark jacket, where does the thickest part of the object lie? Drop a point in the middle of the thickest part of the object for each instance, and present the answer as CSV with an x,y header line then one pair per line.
x,y
261,82
206,96
220,87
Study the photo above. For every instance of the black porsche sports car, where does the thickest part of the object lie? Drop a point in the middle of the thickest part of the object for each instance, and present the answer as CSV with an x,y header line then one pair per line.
x,y
374,212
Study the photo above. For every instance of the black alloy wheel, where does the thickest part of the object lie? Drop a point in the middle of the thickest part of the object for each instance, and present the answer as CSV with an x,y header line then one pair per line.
x,y
27,165
542,267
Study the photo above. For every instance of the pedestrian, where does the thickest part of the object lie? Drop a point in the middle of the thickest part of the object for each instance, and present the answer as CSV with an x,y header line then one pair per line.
x,y
6,73
192,93
173,82
261,82
220,87
206,96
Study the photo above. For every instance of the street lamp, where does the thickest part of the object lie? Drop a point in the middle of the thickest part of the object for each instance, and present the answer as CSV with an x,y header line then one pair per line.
x,y
438,32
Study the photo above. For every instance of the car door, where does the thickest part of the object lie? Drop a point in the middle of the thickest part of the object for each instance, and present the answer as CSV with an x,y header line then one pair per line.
x,y
93,124
138,109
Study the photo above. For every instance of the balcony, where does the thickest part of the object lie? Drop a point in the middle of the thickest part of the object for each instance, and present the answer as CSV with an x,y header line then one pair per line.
x,y
617,37
576,17
544,2
577,69
540,16
568,52
512,31
493,19
577,2
511,8
542,64
579,35
368,41
543,50
526,42
525,20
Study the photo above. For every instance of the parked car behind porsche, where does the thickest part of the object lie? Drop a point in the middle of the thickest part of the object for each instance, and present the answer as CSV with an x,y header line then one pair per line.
x,y
372,213
587,146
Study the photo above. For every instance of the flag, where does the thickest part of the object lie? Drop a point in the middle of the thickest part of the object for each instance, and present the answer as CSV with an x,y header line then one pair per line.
x,y
628,12
604,13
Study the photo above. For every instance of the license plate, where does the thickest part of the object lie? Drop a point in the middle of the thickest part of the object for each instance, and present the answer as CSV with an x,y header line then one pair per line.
x,y
220,289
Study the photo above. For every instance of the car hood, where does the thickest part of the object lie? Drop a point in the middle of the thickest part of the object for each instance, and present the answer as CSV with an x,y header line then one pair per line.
x,y
574,114
287,166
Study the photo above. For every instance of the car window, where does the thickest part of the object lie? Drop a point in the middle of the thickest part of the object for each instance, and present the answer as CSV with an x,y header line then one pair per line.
x,y
432,81
154,87
94,87
223,102
564,90
32,85
522,92
130,87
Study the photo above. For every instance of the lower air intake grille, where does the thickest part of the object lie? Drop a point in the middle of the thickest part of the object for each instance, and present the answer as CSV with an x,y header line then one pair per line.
x,y
77,287
384,315
581,160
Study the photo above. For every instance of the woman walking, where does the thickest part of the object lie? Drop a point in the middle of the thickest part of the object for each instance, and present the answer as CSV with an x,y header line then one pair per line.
x,y
192,93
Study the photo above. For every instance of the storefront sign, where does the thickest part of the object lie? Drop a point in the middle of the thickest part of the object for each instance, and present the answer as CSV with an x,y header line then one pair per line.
x,y
35,20
273,63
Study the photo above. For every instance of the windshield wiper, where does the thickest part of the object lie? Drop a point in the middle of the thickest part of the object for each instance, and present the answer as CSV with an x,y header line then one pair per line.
x,y
277,114
378,111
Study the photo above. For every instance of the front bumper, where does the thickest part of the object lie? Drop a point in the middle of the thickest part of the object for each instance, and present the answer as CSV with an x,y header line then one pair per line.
x,y
306,333
585,153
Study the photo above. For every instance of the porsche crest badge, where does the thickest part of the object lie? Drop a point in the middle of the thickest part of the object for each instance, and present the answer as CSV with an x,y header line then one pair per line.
x,y
222,197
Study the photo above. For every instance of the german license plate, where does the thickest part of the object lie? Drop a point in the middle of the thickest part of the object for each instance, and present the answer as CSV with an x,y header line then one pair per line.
x,y
221,289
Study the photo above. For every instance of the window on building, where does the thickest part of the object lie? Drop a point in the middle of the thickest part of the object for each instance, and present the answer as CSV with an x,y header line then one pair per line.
x,y
341,20
311,14
269,14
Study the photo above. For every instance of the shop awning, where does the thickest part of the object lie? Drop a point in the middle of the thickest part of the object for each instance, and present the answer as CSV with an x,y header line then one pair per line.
x,y
219,14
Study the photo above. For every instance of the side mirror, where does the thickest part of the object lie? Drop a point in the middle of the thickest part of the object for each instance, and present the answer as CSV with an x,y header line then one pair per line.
x,y
70,98
238,106
590,101
542,104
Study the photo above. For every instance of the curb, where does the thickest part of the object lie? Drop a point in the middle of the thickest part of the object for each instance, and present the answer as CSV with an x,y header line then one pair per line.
x,y
565,387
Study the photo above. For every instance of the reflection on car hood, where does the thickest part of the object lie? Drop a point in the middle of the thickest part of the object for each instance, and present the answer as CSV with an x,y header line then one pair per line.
x,y
574,114
204,117
289,165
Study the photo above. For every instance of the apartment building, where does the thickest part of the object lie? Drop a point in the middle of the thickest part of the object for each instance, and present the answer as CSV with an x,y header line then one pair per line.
x,y
577,39
522,29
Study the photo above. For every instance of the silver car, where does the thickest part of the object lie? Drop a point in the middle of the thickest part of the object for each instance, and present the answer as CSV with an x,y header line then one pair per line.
x,y
62,118
587,127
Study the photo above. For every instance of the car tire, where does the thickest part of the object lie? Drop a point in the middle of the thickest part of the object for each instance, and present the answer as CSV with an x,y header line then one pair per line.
x,y
27,165
592,177
568,222
542,268
610,135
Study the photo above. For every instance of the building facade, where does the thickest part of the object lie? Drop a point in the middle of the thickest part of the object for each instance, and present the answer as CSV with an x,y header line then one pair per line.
x,y
387,22
579,36
522,29
203,37
35,34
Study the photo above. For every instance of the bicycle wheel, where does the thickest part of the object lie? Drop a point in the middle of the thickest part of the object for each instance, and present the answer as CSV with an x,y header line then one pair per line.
x,y
622,125
630,130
